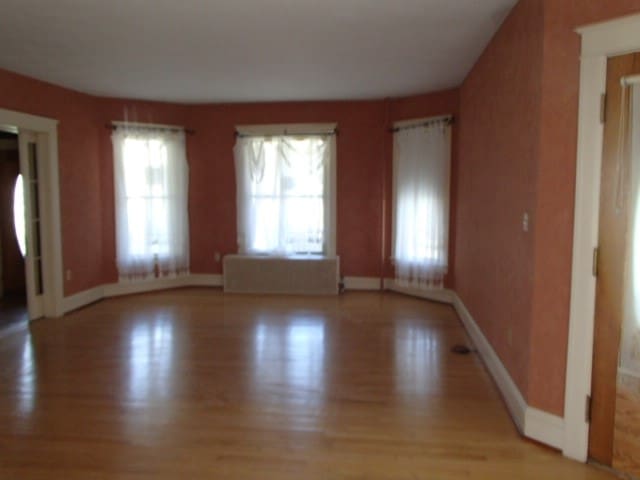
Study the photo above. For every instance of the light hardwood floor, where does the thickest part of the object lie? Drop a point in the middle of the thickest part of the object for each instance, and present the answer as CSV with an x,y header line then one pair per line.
x,y
194,384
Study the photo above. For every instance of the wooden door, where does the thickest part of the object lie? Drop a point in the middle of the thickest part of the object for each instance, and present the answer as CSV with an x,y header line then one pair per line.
x,y
613,238
30,168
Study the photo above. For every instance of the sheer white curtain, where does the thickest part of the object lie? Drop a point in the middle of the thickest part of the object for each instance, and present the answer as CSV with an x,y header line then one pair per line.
x,y
421,170
286,194
151,195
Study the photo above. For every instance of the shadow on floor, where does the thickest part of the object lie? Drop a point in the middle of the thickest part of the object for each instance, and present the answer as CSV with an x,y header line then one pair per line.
x,y
13,312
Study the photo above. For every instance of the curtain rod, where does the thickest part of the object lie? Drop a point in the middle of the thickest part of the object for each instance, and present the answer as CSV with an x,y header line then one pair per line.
x,y
115,126
449,120
285,133
630,80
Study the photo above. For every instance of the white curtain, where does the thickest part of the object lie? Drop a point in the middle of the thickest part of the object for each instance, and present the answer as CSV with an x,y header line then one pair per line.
x,y
151,193
286,194
630,156
421,170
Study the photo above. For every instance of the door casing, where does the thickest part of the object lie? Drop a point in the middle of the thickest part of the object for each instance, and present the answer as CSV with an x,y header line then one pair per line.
x,y
599,41
46,131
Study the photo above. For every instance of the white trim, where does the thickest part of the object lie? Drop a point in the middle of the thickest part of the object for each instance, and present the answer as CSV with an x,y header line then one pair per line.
x,y
82,299
513,398
609,38
544,427
129,288
533,423
599,41
437,294
630,80
51,231
95,294
362,283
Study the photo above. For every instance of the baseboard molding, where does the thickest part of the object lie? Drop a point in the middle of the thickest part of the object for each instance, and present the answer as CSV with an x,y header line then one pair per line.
x,y
510,392
533,423
82,299
87,297
128,288
442,295
362,283
544,427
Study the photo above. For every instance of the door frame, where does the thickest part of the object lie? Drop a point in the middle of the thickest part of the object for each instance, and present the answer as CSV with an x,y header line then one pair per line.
x,y
47,132
599,42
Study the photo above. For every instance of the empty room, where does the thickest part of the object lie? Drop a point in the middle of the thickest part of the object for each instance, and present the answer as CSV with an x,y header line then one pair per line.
x,y
319,239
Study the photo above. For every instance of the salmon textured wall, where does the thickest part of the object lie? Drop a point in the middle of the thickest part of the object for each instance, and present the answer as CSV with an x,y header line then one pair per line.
x,y
498,152
555,191
80,185
519,108
363,158
86,169
359,171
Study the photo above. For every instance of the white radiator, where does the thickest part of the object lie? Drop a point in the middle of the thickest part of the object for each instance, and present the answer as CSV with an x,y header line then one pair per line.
x,y
298,275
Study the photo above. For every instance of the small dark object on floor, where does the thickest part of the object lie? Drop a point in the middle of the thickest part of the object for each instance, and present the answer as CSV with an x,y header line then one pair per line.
x,y
461,349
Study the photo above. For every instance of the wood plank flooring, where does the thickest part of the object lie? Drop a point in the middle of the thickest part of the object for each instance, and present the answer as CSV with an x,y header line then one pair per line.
x,y
195,384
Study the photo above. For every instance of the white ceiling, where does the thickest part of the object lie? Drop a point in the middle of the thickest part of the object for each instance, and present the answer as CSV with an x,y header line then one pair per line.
x,y
247,50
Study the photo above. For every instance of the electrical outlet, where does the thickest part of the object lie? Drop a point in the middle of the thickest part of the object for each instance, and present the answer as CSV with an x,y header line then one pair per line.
x,y
68,274
216,256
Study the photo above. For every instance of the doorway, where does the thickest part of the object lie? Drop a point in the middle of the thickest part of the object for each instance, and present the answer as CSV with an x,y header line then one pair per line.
x,y
13,289
38,146
614,436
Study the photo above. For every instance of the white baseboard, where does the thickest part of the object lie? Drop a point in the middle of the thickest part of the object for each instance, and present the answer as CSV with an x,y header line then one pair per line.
x,y
128,288
533,423
82,299
437,295
510,392
92,295
544,427
362,283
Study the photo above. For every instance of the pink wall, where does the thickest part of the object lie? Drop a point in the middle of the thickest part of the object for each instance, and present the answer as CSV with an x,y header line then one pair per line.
x,y
80,181
86,169
555,191
499,129
517,149
359,176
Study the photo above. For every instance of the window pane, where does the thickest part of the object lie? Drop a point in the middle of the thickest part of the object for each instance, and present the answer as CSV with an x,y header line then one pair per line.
x,y
18,215
287,195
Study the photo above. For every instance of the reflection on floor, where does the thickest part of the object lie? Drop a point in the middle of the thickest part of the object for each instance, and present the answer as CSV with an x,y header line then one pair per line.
x,y
196,384
13,312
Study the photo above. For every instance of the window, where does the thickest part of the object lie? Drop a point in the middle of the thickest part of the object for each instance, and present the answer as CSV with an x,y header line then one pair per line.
x,y
421,168
19,215
286,199
151,181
